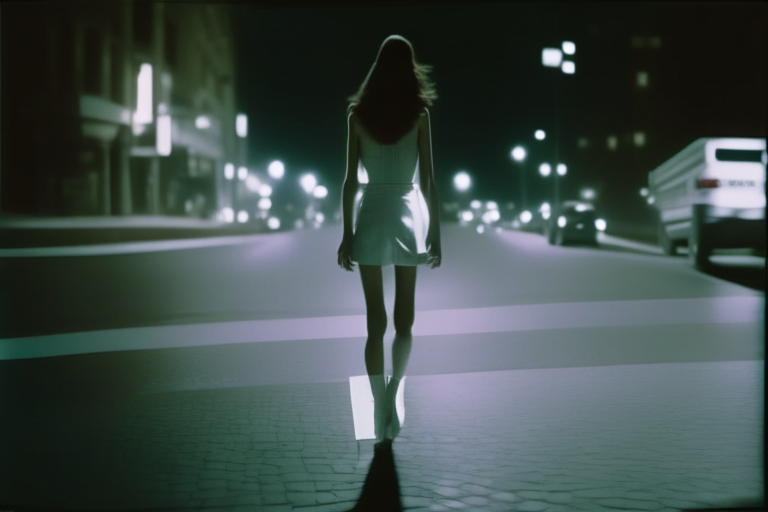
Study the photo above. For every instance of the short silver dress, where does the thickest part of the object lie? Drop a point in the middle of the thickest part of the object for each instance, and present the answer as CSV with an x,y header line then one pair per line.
x,y
391,217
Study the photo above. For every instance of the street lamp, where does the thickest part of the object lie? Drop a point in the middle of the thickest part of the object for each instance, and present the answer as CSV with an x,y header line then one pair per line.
x,y
462,181
518,154
276,169
540,135
320,192
545,169
308,183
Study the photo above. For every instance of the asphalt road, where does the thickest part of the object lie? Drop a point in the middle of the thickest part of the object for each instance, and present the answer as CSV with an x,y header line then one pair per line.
x,y
89,333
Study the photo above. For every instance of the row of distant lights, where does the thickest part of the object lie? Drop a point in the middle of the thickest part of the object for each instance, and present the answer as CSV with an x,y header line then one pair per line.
x,y
275,170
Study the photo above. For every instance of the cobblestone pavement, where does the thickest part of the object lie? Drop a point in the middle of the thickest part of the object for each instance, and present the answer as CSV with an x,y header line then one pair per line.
x,y
639,437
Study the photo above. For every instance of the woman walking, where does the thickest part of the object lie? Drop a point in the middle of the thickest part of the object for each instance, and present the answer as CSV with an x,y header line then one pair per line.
x,y
389,137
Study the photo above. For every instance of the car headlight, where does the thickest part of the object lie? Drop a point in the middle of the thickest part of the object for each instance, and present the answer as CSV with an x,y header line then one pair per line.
x,y
600,224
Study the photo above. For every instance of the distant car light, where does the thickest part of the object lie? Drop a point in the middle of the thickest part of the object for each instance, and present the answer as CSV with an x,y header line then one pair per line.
x,y
526,217
467,216
242,216
480,228
475,204
561,221
600,224
273,223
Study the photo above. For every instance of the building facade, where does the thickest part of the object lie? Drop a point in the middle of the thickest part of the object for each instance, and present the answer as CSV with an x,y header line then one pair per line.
x,y
118,108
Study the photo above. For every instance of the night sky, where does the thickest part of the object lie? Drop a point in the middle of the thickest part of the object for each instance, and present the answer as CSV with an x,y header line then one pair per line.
x,y
298,65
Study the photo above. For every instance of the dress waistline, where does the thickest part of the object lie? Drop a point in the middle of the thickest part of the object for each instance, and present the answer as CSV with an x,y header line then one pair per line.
x,y
390,185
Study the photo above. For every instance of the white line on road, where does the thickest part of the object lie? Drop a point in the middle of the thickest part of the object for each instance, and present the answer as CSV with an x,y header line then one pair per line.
x,y
128,247
711,310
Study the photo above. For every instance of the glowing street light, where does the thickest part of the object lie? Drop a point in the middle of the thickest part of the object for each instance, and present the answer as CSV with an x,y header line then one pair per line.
x,y
551,57
462,181
202,123
540,135
518,154
242,172
320,192
587,194
561,169
526,217
308,183
265,190
545,169
265,203
229,171
276,169
475,204
252,183
242,216
644,192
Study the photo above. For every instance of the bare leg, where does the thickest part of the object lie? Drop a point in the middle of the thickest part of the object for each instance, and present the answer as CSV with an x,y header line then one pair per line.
x,y
376,318
374,346
405,296
405,292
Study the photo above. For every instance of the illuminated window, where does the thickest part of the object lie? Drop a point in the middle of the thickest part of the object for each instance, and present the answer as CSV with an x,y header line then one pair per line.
x,y
642,79
639,138
613,142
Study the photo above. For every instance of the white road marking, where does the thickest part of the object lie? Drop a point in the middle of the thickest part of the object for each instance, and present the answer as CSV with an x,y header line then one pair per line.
x,y
711,310
129,247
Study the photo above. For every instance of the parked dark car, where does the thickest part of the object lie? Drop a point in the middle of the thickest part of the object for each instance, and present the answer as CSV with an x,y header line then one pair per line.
x,y
572,222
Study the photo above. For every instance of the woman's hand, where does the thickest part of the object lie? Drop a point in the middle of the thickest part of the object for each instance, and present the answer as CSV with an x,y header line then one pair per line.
x,y
435,252
345,254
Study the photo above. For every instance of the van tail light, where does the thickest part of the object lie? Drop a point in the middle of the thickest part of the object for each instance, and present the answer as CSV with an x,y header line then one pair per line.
x,y
708,183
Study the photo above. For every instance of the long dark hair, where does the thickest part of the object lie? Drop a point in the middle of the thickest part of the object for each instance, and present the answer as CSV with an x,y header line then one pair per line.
x,y
394,93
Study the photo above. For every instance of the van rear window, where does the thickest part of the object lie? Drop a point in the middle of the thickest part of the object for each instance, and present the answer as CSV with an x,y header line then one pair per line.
x,y
739,155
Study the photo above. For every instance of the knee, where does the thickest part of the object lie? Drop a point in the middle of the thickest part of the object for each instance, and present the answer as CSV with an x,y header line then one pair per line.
x,y
403,325
377,324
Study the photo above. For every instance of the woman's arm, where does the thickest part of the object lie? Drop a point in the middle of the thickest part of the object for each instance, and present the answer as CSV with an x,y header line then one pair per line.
x,y
350,181
427,179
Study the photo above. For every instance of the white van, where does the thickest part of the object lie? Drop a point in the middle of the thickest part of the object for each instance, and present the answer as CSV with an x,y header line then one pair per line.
x,y
711,195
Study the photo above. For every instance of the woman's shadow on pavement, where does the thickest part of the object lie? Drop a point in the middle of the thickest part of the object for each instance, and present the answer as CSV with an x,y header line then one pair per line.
x,y
381,490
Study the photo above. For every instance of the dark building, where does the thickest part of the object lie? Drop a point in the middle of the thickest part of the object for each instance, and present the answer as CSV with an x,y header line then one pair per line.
x,y
118,108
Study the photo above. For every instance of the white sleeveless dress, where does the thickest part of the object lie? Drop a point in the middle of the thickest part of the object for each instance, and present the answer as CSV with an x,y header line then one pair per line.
x,y
391,218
